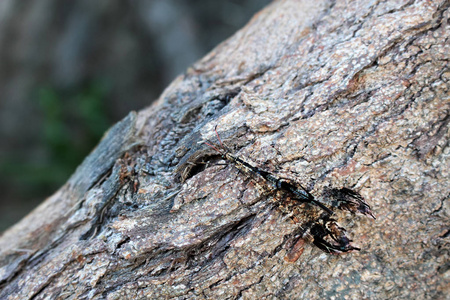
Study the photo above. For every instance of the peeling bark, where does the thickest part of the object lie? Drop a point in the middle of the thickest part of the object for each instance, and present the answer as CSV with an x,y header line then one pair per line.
x,y
331,95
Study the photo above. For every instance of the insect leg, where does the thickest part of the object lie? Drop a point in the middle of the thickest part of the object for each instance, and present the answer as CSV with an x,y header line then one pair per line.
x,y
328,227
347,199
302,194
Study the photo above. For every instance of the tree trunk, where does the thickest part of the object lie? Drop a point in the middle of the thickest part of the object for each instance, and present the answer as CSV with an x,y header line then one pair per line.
x,y
326,94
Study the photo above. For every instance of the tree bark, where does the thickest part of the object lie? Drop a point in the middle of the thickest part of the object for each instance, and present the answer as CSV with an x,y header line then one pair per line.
x,y
328,94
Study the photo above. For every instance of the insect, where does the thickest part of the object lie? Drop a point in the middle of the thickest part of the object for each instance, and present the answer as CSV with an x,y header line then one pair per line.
x,y
278,183
325,232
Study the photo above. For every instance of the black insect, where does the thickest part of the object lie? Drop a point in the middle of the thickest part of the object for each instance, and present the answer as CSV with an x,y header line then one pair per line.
x,y
325,232
278,183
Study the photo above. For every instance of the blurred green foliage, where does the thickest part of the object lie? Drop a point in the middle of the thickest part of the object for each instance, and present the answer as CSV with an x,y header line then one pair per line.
x,y
72,124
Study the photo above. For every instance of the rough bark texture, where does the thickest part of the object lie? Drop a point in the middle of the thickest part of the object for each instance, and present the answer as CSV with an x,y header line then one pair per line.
x,y
330,94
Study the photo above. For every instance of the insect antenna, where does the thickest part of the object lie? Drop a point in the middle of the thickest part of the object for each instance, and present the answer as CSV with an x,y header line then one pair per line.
x,y
222,150
212,146
218,137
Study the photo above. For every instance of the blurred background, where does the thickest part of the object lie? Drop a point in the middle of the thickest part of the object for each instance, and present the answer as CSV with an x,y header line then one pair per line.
x,y
71,69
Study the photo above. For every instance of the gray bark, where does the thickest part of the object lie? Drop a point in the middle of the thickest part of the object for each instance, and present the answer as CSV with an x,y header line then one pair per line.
x,y
330,94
